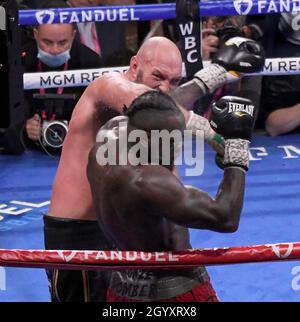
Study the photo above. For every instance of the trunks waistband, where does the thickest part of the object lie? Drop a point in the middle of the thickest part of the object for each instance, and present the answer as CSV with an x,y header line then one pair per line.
x,y
156,285
68,233
51,220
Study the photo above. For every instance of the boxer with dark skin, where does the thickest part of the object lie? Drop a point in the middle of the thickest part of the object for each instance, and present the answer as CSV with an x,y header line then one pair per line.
x,y
138,205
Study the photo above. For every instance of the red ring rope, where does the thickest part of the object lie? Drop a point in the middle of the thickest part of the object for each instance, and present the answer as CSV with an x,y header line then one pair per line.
x,y
93,260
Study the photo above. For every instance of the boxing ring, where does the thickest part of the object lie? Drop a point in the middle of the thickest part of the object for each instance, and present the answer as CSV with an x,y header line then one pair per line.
x,y
270,214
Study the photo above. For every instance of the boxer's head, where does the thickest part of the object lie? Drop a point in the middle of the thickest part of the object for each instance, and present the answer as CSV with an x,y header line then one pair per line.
x,y
157,114
158,64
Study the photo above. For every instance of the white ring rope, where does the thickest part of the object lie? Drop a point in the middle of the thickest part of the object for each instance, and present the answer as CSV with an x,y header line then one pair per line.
x,y
77,78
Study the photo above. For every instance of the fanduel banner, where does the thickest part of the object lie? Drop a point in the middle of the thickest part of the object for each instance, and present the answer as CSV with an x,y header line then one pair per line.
x,y
75,15
245,7
155,11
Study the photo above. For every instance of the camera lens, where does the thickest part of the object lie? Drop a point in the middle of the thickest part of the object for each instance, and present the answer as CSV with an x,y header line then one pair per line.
x,y
55,133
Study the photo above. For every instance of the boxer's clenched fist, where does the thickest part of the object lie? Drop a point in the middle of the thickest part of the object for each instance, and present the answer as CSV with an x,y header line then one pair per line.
x,y
238,55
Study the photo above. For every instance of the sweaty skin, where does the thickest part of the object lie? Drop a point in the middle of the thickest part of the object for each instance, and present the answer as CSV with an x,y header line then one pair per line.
x,y
148,200
157,65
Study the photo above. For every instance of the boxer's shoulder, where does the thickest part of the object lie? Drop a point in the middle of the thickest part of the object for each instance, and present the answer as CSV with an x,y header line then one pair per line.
x,y
103,84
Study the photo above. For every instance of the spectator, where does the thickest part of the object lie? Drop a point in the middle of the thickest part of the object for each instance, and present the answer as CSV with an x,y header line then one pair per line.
x,y
280,102
104,38
54,48
215,32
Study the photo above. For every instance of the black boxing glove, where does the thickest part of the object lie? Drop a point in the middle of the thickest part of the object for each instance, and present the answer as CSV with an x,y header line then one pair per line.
x,y
238,55
241,55
233,118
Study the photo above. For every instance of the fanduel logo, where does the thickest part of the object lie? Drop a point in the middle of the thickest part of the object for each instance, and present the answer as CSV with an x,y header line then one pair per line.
x,y
2,279
280,250
236,107
243,7
45,17
66,258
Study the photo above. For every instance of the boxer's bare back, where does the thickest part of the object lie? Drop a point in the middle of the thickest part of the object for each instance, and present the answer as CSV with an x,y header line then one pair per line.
x,y
71,192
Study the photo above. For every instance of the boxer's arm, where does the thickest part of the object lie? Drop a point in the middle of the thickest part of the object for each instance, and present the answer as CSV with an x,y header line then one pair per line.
x,y
111,90
179,237
205,81
191,207
229,60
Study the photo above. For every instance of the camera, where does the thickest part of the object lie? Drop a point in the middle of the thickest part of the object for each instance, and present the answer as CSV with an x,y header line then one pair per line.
x,y
228,32
55,110
227,27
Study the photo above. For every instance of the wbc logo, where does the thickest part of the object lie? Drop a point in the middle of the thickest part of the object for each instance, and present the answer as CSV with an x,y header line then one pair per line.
x,y
243,7
45,17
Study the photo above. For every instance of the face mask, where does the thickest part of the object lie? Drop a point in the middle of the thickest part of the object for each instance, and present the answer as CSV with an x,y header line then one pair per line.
x,y
53,60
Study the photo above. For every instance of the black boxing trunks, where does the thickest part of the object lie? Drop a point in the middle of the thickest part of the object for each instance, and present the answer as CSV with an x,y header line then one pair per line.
x,y
77,285
189,285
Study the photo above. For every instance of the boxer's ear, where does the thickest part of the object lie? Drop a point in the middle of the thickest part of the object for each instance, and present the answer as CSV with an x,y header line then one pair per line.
x,y
134,67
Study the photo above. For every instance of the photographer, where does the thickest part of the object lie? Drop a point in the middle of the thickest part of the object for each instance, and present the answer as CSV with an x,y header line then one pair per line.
x,y
53,49
280,104
215,32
